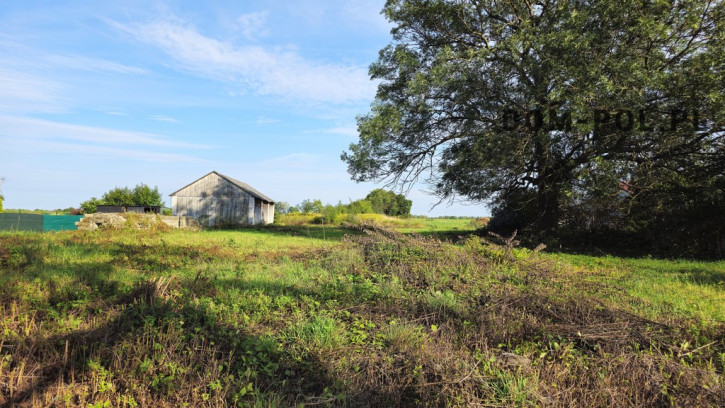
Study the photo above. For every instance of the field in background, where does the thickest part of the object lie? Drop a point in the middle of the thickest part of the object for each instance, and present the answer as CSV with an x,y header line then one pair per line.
x,y
420,225
694,289
292,315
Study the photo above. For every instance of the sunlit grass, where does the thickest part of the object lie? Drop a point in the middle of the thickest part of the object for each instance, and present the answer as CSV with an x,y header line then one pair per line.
x,y
689,288
300,315
442,225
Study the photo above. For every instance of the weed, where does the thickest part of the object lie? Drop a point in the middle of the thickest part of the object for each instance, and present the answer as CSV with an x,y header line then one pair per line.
x,y
287,316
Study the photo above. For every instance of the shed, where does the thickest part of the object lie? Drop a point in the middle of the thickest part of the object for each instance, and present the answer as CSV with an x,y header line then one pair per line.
x,y
216,199
155,209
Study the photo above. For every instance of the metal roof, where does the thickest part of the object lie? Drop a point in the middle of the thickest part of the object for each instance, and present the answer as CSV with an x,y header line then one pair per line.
x,y
244,186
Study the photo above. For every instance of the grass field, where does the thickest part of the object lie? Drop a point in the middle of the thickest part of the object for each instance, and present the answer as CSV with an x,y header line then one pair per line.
x,y
306,316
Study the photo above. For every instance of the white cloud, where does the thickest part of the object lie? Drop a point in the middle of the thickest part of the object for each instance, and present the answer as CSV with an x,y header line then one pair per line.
x,y
24,57
263,120
69,149
344,131
35,81
42,131
274,71
251,25
20,135
81,63
24,92
350,131
163,118
294,160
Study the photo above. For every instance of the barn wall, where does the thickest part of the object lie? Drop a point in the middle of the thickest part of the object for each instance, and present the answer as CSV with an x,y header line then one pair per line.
x,y
268,213
250,212
213,200
257,211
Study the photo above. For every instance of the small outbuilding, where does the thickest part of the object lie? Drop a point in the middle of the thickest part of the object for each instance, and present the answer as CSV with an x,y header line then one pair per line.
x,y
155,209
216,200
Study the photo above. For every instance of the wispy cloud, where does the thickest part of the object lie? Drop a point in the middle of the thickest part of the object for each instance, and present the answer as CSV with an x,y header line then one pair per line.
x,y
266,70
263,120
81,63
25,92
300,159
344,131
341,130
37,81
43,130
251,25
70,149
23,56
163,118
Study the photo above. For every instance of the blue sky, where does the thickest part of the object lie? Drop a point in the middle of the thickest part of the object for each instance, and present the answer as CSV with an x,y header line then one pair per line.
x,y
101,94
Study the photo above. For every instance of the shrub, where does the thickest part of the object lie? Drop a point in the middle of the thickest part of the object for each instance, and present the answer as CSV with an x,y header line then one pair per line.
x,y
389,203
384,221
141,195
91,206
297,218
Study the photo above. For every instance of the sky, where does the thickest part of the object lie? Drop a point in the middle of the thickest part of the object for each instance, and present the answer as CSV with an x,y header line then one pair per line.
x,y
95,95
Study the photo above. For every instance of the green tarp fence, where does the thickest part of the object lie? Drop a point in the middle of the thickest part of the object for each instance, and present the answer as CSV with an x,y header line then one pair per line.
x,y
38,222
60,222
21,222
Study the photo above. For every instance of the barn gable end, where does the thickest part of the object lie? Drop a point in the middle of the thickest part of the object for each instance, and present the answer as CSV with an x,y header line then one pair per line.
x,y
216,199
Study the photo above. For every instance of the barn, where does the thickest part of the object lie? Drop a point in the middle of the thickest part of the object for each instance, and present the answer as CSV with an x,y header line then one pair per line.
x,y
216,199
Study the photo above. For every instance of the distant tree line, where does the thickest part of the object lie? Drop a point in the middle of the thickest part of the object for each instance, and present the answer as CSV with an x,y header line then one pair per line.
x,y
378,201
141,195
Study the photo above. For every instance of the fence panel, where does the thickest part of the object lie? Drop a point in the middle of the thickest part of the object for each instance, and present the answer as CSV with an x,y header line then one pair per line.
x,y
21,222
60,222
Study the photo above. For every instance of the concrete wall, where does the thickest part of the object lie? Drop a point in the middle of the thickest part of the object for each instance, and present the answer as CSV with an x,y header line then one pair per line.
x,y
140,221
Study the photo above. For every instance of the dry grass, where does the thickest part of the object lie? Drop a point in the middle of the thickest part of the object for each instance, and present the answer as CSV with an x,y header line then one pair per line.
x,y
383,319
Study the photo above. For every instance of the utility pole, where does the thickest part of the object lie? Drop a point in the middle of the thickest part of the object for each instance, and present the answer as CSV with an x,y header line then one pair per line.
x,y
2,180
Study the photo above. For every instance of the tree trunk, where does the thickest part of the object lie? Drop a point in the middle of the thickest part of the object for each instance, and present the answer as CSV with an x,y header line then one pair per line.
x,y
548,195
548,209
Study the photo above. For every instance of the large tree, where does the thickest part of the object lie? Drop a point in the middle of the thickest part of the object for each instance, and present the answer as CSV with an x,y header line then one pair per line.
x,y
527,104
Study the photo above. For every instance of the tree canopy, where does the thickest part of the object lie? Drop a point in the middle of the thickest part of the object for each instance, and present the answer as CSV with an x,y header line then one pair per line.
x,y
378,201
542,107
141,195
388,203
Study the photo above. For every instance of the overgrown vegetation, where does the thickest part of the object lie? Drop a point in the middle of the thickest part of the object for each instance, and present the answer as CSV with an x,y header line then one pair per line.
x,y
57,211
379,201
141,195
296,315
299,219
570,118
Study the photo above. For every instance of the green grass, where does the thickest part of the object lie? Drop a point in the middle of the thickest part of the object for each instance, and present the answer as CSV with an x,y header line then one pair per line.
x,y
688,288
442,226
298,315
419,225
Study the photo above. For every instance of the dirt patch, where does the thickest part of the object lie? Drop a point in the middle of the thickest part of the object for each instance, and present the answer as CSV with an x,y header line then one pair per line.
x,y
4,256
